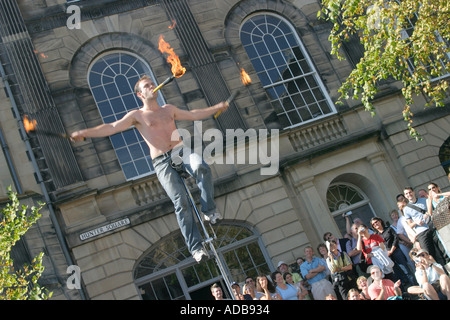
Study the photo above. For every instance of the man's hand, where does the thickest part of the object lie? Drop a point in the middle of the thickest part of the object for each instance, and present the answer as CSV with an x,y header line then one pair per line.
x,y
223,106
77,136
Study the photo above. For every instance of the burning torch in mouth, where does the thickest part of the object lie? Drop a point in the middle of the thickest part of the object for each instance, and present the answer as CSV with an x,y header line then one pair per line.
x,y
246,80
173,59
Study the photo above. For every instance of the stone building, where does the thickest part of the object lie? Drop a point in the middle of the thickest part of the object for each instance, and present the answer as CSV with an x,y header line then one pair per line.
x,y
71,65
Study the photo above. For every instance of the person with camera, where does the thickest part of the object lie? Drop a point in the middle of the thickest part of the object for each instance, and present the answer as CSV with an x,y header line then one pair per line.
x,y
368,244
341,268
434,284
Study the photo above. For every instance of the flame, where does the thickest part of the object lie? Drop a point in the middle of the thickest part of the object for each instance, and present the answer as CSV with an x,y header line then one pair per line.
x,y
30,125
245,78
173,24
173,59
41,54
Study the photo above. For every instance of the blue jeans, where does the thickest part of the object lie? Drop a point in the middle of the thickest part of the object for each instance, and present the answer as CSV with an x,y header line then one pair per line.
x,y
401,268
171,181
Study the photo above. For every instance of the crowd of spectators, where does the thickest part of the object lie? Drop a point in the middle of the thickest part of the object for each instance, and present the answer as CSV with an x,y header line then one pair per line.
x,y
375,260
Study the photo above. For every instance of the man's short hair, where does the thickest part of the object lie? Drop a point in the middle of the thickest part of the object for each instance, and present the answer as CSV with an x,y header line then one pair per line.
x,y
215,285
408,188
136,86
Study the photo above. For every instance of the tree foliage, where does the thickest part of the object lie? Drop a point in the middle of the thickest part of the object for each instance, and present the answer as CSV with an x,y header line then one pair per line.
x,y
19,284
406,40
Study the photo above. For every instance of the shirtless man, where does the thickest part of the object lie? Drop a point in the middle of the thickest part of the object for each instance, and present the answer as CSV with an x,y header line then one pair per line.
x,y
157,126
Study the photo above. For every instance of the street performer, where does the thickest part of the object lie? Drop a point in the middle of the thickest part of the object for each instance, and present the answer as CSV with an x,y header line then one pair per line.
x,y
157,126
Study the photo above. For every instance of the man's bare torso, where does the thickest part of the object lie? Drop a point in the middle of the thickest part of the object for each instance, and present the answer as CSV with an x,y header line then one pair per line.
x,y
158,129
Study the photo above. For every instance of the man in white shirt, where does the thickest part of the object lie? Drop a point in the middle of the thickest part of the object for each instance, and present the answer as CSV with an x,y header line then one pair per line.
x,y
414,213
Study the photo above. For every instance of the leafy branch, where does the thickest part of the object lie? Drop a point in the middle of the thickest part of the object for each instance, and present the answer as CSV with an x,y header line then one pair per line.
x,y
405,40
21,284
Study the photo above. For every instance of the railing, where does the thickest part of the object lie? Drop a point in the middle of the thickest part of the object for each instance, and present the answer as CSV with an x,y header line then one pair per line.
x,y
317,134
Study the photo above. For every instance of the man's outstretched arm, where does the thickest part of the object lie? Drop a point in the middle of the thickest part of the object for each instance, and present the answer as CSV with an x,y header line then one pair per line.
x,y
199,114
106,129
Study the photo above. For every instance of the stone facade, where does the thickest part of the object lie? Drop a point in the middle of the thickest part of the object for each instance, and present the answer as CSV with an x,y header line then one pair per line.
x,y
289,210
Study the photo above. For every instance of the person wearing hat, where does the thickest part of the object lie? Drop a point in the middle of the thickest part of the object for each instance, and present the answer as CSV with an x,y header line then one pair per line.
x,y
382,289
434,283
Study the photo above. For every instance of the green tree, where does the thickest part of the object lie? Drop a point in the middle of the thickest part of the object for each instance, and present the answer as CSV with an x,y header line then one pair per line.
x,y
406,40
19,284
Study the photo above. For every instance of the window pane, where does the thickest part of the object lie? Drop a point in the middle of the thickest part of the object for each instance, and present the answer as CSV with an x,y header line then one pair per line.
x,y
112,78
277,56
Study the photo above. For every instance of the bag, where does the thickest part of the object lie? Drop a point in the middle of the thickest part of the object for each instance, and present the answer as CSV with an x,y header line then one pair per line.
x,y
441,215
381,259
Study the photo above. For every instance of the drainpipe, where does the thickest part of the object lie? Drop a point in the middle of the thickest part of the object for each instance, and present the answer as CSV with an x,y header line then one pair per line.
x,y
10,164
48,201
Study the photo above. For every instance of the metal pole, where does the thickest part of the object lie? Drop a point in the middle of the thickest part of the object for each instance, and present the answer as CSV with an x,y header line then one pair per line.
x,y
208,239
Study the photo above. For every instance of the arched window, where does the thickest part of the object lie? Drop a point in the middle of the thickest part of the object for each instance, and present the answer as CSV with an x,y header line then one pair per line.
x,y
168,271
112,77
285,70
344,197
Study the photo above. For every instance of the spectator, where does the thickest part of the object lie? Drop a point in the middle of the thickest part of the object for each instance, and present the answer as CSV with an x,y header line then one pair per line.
x,y
358,260
435,197
330,296
391,241
422,193
405,243
433,281
348,223
415,217
264,286
217,292
322,250
285,290
250,288
340,242
236,288
362,284
370,242
313,270
299,261
303,282
353,294
382,289
403,226
302,292
283,268
341,269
